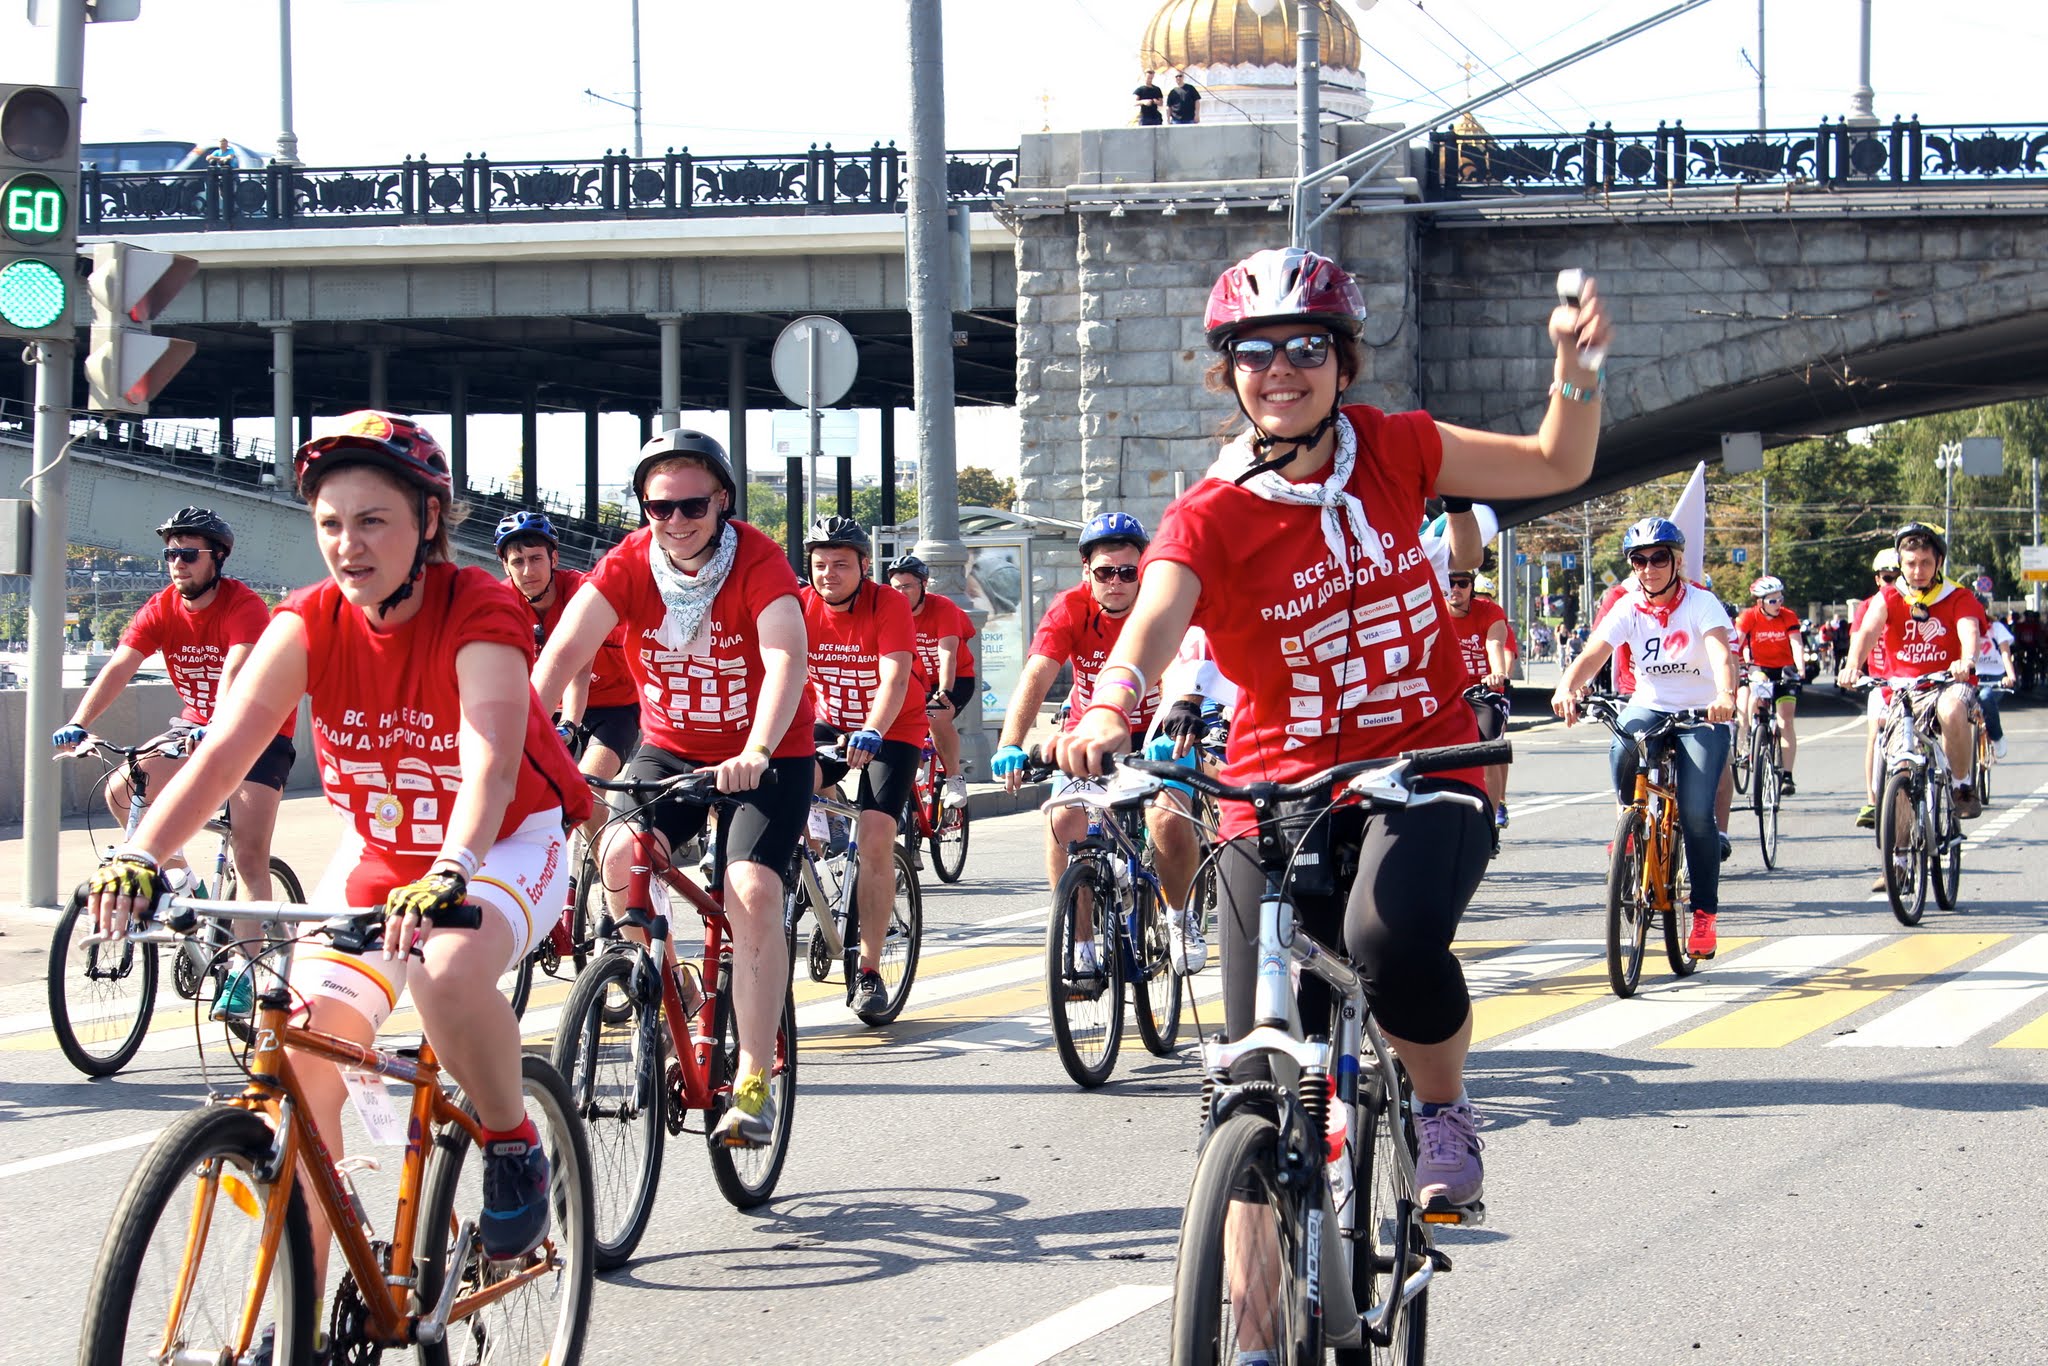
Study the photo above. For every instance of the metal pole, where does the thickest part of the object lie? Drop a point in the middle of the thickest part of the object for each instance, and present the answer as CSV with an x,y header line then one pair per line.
x,y
736,418
1767,524
1308,82
1586,569
671,369
2035,589
1761,122
1861,111
930,295
814,344
639,147
287,140
282,405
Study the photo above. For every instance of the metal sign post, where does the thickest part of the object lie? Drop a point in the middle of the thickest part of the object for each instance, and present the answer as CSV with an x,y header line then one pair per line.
x,y
814,363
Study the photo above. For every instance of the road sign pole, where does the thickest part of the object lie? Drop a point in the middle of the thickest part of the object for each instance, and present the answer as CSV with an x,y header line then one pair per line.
x,y
814,341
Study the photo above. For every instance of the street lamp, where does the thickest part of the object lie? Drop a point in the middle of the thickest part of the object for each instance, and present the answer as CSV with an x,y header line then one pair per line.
x,y
95,611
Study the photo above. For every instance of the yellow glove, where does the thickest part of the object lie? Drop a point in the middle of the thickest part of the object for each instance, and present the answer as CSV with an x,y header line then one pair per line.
x,y
413,903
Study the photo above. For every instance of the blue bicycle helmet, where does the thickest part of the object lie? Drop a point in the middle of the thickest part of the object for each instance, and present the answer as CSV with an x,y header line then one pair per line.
x,y
1652,531
1115,528
525,523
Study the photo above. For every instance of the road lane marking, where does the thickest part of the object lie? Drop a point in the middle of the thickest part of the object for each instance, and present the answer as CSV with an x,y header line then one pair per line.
x,y
1493,1016
1954,1011
2005,820
90,1150
1836,993
1670,1003
1069,1328
935,967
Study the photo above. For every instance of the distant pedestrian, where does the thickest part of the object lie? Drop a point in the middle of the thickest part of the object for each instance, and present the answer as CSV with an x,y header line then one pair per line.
x,y
1149,96
1181,100
222,157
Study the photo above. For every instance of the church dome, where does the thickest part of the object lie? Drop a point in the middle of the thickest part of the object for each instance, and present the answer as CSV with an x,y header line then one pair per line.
x,y
1227,33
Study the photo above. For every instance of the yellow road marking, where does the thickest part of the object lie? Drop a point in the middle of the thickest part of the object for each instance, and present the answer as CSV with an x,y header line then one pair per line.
x,y
1548,996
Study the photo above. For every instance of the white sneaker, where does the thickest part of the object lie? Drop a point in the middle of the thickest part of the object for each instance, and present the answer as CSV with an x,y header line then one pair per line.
x,y
1086,964
1190,949
1998,749
955,794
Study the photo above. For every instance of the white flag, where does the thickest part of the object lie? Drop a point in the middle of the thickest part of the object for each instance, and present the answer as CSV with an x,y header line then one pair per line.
x,y
1690,514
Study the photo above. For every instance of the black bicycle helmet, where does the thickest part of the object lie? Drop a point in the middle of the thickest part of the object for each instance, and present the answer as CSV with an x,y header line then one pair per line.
x,y
1922,531
203,522
907,563
682,441
837,531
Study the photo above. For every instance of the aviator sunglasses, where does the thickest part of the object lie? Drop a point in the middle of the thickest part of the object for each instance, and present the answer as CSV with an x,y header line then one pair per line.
x,y
1115,573
1305,352
661,509
182,554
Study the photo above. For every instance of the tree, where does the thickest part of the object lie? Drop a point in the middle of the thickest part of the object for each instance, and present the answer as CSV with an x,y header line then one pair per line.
x,y
109,625
981,488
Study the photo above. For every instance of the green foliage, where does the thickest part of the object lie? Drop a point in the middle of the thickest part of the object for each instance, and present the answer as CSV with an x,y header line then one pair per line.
x,y
981,488
111,622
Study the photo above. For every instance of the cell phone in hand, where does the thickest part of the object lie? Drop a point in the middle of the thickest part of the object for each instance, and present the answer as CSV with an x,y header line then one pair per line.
x,y
1571,288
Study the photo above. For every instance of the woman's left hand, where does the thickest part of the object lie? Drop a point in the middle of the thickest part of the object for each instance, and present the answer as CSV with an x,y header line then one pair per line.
x,y
1091,747
1585,328
409,906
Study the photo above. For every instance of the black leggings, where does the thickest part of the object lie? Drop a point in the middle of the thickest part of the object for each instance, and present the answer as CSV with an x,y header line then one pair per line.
x,y
1417,870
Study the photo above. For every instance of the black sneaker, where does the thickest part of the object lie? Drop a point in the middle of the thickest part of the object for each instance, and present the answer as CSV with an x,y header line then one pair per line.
x,y
870,997
515,1216
1727,849
1785,785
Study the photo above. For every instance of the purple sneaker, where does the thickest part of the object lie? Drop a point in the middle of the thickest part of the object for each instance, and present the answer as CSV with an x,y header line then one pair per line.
x,y
1447,1168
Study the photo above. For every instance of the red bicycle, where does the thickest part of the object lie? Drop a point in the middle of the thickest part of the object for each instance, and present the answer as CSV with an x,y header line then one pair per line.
x,y
647,1037
942,827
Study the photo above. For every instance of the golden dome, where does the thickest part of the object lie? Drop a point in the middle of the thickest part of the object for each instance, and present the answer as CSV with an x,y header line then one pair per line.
x,y
1209,33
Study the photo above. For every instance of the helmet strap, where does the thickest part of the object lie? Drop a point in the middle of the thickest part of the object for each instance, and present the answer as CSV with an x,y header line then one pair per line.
x,y
419,566
534,599
846,603
1264,444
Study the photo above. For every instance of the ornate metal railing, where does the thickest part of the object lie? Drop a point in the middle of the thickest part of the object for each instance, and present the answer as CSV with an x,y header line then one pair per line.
x,y
479,190
1907,153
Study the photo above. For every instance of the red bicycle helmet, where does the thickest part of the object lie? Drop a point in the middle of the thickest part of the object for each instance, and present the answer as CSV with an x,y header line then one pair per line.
x,y
385,440
1282,284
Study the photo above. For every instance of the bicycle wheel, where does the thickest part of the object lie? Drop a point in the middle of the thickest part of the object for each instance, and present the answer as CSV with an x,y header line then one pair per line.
x,y
174,1272
1741,756
1980,767
543,1319
609,1050
1945,846
1087,1008
904,941
1763,758
949,845
1381,1240
1678,919
1156,989
1240,1282
746,1176
101,995
1628,913
586,908
285,884
1769,792
1902,846
517,983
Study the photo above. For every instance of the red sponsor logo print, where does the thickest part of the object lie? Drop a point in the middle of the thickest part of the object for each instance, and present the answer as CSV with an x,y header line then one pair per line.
x,y
1675,643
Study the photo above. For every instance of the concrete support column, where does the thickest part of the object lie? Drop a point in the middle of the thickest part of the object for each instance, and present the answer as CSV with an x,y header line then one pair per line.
x,y
380,376
226,449
305,420
736,412
671,368
590,419
282,402
529,447
458,429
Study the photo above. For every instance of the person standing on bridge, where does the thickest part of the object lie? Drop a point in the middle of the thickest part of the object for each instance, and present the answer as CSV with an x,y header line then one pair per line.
x,y
1181,101
1149,98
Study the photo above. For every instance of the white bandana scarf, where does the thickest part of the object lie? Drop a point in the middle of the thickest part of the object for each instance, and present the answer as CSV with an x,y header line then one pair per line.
x,y
1330,495
688,597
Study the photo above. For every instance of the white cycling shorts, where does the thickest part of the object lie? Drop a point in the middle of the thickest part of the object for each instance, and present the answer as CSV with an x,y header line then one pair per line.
x,y
523,880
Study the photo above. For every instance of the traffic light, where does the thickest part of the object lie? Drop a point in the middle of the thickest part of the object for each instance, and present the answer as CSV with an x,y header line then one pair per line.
x,y
127,365
38,210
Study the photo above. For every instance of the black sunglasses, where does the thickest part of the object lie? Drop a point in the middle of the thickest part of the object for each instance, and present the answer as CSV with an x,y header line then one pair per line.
x,y
1654,559
1306,352
1890,576
1115,573
661,509
183,554
1460,581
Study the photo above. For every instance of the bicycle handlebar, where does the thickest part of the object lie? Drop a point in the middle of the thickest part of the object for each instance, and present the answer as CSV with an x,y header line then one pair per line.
x,y
173,918
169,744
1414,763
686,787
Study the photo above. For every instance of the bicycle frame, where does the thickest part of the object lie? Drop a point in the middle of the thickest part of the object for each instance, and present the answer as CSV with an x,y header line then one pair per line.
x,y
931,776
845,908
1111,812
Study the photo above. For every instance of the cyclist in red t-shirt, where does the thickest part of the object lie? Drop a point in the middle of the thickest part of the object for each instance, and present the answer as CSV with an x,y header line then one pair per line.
x,y
943,630
1884,568
1769,639
1299,555
1486,644
433,747
204,625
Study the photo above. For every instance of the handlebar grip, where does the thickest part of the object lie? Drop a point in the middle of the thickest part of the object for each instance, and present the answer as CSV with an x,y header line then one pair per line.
x,y
1477,755
467,916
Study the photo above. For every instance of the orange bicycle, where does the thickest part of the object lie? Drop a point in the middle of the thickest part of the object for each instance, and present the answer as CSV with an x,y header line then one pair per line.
x,y
210,1254
1646,874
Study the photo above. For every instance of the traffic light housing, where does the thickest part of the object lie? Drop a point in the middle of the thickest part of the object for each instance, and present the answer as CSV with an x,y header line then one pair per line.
x,y
127,365
38,211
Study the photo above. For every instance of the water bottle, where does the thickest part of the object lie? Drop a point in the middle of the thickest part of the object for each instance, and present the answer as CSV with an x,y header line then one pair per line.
x,y
181,882
1337,1148
1123,875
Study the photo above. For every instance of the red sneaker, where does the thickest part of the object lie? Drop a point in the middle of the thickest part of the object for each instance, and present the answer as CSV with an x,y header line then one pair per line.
x,y
1701,942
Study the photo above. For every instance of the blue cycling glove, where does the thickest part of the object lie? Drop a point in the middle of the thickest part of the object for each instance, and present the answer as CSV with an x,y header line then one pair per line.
x,y
1008,760
193,737
867,740
68,735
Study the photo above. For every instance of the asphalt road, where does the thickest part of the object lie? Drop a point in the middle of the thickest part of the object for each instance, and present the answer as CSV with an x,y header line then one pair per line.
x,y
1823,1147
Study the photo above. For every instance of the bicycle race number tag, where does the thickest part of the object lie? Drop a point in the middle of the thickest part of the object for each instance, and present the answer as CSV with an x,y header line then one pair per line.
x,y
373,1107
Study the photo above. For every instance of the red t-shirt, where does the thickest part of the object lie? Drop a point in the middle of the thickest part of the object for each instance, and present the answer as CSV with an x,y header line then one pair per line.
x,y
610,684
846,650
935,617
1878,664
697,697
387,710
1471,631
1769,638
1915,649
1624,673
1334,663
195,645
1075,629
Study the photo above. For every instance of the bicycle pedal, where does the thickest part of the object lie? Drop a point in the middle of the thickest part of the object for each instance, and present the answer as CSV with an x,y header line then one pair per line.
x,y
1443,1213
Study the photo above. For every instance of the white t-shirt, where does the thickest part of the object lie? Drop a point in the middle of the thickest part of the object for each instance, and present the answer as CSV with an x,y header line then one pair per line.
x,y
1669,658
1990,663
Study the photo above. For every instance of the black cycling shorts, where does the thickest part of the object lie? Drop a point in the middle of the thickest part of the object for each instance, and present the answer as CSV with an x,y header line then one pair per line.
x,y
1416,870
1787,679
274,765
1491,712
616,728
886,782
763,827
961,693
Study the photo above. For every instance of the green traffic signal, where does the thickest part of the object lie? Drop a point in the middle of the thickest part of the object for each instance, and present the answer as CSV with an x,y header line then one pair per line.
x,y
32,294
32,209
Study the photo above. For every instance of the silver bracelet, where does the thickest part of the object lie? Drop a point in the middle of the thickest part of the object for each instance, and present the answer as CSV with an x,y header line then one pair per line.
x,y
1581,393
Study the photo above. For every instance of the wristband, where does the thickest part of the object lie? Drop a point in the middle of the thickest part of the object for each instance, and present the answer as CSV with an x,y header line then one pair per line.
x,y
1586,393
756,747
1119,685
463,859
1453,503
1135,672
1121,714
134,855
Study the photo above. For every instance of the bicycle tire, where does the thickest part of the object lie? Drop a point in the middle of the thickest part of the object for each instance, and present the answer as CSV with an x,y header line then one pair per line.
x,y
1628,915
949,842
453,1191
1945,848
1742,759
1376,1170
285,884
1981,766
610,1048
1678,918
902,945
584,915
1768,787
746,1177
1241,1155
103,1037
1156,990
1096,1000
161,1198
1905,885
